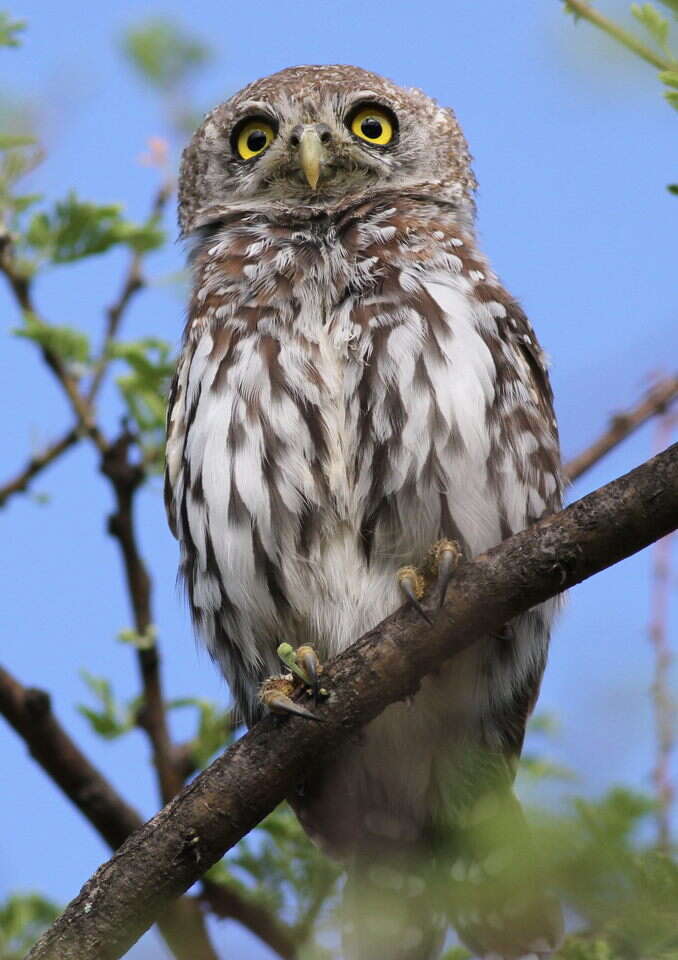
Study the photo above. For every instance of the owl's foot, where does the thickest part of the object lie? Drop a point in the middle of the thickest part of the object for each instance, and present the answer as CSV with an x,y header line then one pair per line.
x,y
304,664
432,578
277,693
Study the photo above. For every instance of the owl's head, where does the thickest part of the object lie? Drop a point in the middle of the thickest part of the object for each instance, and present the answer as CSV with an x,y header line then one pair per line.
x,y
317,138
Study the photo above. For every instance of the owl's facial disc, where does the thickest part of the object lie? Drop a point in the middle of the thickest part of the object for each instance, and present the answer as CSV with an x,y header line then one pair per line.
x,y
333,151
321,138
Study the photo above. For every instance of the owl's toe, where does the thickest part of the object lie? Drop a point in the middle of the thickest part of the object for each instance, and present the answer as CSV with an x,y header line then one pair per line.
x,y
432,579
276,694
442,561
411,582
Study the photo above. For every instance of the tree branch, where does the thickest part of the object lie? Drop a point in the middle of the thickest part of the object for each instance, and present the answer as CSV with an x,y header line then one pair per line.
x,y
37,464
133,282
29,712
580,8
656,401
227,903
163,858
20,285
125,478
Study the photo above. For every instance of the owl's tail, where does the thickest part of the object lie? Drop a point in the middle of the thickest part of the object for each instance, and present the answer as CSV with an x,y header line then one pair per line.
x,y
499,906
481,876
388,911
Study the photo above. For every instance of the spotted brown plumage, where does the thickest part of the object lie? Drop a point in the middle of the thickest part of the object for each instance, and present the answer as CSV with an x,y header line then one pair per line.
x,y
355,384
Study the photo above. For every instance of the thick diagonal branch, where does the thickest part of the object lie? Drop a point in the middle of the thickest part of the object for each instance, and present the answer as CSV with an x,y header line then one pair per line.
x,y
219,807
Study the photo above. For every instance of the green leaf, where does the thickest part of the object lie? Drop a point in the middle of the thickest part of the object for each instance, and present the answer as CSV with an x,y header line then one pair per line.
x,y
8,141
457,953
67,343
141,641
672,97
9,29
23,918
111,720
21,202
76,229
144,388
163,52
539,768
669,77
215,728
653,22
673,188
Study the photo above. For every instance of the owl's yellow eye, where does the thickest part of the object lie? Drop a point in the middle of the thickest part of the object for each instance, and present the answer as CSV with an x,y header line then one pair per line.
x,y
253,138
374,125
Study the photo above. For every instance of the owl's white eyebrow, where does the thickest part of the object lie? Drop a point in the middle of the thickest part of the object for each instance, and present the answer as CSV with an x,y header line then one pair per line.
x,y
256,106
366,95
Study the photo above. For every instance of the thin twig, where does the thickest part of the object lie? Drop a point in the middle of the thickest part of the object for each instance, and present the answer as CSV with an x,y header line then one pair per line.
x,y
162,859
582,9
20,285
37,464
29,712
126,477
663,708
133,282
656,401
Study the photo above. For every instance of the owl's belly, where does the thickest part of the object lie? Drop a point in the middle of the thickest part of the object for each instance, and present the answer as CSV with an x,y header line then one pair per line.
x,y
385,786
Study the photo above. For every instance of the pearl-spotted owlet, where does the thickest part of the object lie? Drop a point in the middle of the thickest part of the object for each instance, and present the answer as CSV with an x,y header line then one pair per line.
x,y
358,402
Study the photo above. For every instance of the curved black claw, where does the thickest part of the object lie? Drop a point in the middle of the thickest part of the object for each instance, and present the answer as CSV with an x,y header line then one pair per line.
x,y
448,555
410,582
280,703
275,694
308,660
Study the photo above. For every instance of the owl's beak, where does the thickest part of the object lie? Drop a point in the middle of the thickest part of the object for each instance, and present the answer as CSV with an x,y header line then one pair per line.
x,y
310,155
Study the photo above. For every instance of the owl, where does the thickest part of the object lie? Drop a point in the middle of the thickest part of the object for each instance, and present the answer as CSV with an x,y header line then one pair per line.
x,y
354,386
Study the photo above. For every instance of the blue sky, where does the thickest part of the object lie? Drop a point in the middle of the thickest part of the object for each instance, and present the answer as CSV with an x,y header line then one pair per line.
x,y
573,146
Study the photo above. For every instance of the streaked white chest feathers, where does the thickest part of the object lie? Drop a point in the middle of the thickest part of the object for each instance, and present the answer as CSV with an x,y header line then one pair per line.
x,y
348,392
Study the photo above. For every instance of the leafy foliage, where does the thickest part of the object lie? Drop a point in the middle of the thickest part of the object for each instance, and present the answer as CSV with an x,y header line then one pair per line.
x,y
23,917
76,229
67,343
163,52
622,888
144,391
9,30
656,25
112,719
215,729
20,154
278,867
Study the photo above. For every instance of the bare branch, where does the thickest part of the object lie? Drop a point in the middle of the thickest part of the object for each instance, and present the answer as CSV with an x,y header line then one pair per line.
x,y
37,464
656,401
29,711
227,903
162,859
125,478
